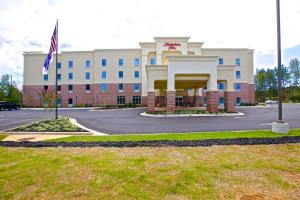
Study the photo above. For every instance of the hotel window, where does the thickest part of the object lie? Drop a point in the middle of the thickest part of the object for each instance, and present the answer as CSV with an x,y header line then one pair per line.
x,y
221,101
120,100
221,61
87,88
103,74
103,87
221,86
70,76
120,87
136,100
45,77
238,74
136,74
87,76
238,87
121,75
45,87
58,77
59,102
238,62
70,102
58,88
103,62
58,65
136,87
121,61
152,61
70,88
136,62
238,101
204,101
70,64
87,63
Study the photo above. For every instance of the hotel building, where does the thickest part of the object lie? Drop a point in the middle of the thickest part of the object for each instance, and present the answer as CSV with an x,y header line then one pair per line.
x,y
168,73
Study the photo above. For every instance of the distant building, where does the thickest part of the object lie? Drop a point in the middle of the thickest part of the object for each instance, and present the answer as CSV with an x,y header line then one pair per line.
x,y
169,72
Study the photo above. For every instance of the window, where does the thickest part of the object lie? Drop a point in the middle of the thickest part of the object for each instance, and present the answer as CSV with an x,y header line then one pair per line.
x,y
70,76
204,100
87,63
221,86
121,61
136,62
58,65
103,62
70,88
221,61
121,75
179,101
70,101
120,87
136,74
238,62
152,61
238,101
45,87
59,77
103,74
58,88
120,100
238,74
103,87
59,102
136,87
136,99
45,77
87,88
221,101
238,87
70,64
87,76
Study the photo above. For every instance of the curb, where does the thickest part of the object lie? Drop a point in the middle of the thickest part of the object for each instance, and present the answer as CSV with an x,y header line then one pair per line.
x,y
73,121
193,115
115,109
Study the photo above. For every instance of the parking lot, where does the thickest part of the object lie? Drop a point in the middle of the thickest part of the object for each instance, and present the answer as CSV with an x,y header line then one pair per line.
x,y
130,120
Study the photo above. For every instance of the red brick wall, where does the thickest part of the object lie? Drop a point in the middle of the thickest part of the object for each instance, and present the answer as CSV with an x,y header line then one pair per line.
x,y
31,97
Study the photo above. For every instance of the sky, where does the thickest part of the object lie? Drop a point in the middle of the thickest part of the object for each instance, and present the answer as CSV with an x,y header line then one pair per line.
x,y
27,25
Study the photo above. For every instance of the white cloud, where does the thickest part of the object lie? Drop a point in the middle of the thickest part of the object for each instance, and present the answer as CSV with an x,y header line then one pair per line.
x,y
89,24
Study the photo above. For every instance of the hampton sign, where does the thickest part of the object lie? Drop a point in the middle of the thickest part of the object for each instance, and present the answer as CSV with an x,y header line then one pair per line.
x,y
171,45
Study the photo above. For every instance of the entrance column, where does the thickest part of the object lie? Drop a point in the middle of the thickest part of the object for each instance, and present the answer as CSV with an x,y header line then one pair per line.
x,y
212,95
196,97
171,94
151,101
229,98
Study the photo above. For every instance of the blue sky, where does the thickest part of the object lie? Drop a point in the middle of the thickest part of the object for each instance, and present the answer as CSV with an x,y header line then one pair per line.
x,y
27,25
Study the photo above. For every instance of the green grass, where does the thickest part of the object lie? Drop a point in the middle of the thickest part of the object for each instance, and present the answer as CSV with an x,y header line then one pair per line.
x,y
179,136
62,124
219,172
2,137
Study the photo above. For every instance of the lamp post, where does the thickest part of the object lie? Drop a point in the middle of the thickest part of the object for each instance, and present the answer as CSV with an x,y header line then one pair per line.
x,y
279,126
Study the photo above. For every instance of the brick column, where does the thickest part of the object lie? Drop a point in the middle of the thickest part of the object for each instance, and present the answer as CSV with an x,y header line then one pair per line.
x,y
171,95
144,101
229,101
197,101
212,101
151,102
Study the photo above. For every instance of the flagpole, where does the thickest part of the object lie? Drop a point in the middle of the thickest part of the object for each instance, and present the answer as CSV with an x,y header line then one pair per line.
x,y
56,57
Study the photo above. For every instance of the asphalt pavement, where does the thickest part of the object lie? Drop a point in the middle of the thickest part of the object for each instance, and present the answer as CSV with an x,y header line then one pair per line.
x,y
130,120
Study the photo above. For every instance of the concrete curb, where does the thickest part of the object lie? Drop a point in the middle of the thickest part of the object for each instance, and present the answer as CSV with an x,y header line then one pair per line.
x,y
48,133
193,115
116,109
73,121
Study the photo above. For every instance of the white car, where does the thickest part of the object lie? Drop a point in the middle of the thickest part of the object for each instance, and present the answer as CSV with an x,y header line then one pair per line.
x,y
271,102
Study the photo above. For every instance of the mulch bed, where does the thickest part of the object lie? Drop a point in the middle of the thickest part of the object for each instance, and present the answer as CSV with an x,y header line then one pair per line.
x,y
159,143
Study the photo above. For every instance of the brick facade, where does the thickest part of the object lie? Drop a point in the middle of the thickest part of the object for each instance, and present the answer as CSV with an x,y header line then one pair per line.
x,y
229,101
212,99
171,95
151,102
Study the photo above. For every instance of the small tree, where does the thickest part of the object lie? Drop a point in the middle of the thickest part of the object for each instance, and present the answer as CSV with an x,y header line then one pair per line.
x,y
46,99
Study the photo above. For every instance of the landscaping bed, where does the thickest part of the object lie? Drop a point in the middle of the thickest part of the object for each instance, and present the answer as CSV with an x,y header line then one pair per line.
x,y
164,112
62,124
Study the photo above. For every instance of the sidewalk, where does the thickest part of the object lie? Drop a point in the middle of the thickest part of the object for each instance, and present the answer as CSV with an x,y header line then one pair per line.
x,y
32,137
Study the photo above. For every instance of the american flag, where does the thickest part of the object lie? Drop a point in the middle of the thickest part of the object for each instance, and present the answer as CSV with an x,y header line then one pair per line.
x,y
49,57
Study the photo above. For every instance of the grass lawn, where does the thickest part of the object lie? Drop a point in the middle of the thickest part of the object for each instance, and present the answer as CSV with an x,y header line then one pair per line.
x,y
219,172
62,124
180,136
2,137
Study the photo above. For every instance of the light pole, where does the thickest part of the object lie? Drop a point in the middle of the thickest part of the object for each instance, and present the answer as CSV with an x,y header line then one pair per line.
x,y
280,126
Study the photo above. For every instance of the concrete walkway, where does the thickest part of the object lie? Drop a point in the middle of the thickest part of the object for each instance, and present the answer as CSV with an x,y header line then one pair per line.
x,y
32,137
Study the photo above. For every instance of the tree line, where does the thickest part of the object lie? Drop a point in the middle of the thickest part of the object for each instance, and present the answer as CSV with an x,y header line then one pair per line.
x,y
9,90
266,82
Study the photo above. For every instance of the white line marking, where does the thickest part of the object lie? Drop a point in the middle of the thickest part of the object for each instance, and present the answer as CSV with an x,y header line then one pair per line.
x,y
15,122
73,121
266,124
